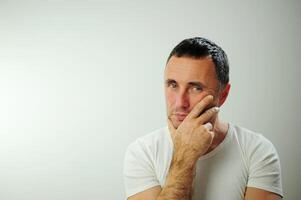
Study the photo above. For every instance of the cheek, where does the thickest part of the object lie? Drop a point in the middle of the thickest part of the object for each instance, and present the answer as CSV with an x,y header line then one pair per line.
x,y
170,98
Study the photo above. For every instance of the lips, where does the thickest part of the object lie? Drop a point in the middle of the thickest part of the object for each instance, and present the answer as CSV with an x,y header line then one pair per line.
x,y
181,116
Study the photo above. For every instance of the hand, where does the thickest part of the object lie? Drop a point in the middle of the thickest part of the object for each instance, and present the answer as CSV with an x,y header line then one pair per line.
x,y
194,135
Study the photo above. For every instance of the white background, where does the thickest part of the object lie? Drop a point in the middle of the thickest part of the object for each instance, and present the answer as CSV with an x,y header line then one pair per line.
x,y
80,80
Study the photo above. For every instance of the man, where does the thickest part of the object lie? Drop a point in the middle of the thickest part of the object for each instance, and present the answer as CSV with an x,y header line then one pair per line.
x,y
199,156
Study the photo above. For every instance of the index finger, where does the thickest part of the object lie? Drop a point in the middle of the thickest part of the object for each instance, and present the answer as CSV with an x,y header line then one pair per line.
x,y
199,107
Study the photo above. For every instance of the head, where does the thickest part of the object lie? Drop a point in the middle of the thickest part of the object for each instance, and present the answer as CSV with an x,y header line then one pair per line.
x,y
195,68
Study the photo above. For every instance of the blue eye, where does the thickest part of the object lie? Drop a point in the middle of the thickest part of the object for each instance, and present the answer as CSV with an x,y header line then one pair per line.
x,y
197,88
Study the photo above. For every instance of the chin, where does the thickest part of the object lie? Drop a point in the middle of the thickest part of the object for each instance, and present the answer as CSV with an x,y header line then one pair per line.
x,y
176,123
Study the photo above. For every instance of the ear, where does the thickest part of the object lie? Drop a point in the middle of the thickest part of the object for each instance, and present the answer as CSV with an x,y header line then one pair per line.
x,y
224,94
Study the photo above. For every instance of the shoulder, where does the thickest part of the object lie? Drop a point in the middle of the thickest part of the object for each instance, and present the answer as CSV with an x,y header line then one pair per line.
x,y
250,141
149,145
258,152
263,163
140,160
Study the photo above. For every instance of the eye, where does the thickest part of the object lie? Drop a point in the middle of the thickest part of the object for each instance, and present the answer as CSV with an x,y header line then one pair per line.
x,y
171,84
197,88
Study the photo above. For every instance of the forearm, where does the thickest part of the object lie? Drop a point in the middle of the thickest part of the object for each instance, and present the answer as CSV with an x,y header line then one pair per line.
x,y
191,139
179,182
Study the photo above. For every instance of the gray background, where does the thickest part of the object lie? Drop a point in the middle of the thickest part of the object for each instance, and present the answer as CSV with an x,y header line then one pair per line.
x,y
80,80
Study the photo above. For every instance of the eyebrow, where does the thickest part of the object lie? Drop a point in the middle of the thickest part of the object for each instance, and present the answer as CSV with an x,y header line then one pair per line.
x,y
196,83
170,81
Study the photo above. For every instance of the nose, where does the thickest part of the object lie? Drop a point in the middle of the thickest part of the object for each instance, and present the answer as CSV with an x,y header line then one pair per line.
x,y
182,100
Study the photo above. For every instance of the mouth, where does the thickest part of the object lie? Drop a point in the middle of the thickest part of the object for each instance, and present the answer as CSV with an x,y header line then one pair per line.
x,y
180,116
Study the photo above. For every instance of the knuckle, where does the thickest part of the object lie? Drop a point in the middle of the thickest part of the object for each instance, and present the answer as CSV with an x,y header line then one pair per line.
x,y
210,111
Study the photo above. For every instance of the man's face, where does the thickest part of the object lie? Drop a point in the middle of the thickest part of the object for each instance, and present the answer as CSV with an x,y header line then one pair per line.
x,y
188,81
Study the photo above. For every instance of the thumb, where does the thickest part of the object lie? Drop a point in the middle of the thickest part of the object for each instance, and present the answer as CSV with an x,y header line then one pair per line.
x,y
212,135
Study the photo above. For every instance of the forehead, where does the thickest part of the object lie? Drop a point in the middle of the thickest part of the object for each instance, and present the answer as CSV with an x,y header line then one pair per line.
x,y
185,69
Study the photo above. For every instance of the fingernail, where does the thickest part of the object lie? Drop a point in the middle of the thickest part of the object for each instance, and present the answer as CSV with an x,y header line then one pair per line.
x,y
208,126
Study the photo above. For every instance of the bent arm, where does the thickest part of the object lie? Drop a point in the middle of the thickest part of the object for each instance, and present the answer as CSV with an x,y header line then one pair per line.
x,y
190,142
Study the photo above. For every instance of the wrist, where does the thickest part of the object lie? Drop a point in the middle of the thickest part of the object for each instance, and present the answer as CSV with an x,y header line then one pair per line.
x,y
185,157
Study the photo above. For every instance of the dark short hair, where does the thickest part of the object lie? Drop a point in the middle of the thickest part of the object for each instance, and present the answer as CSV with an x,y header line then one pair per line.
x,y
199,47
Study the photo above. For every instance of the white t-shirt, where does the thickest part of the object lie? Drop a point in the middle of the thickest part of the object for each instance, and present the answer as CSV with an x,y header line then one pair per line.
x,y
243,159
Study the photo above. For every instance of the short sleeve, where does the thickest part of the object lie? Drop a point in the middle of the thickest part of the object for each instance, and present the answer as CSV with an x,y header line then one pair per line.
x,y
264,167
139,174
